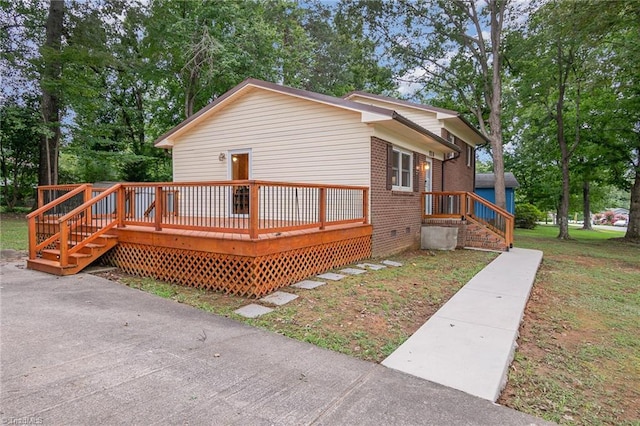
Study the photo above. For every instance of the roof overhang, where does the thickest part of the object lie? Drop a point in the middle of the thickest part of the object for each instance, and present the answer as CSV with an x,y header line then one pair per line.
x,y
441,113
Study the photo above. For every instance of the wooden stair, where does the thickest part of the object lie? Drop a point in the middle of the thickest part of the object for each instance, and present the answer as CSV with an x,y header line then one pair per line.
x,y
479,236
49,261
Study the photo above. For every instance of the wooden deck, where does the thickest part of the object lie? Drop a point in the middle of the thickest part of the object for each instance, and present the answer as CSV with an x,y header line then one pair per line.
x,y
193,236
235,263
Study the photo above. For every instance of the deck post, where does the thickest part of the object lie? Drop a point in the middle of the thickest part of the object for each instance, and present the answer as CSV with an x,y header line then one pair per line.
x,y
365,205
64,243
463,204
40,197
88,194
159,208
32,237
254,213
323,207
121,206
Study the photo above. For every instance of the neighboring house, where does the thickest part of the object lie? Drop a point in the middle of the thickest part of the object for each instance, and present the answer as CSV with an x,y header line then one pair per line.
x,y
265,131
485,187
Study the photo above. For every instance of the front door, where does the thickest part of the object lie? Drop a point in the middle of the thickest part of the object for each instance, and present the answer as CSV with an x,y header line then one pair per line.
x,y
239,169
428,186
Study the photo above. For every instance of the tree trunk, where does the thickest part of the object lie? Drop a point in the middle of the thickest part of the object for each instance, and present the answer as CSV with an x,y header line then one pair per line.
x,y
563,210
495,120
633,229
50,105
586,205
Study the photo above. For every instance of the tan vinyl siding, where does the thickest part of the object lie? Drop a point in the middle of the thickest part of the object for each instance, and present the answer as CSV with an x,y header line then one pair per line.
x,y
291,139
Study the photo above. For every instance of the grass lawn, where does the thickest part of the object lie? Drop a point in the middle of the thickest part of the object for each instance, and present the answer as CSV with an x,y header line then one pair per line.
x,y
578,360
13,231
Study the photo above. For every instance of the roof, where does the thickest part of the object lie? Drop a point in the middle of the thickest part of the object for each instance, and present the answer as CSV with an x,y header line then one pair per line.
x,y
423,107
488,180
370,113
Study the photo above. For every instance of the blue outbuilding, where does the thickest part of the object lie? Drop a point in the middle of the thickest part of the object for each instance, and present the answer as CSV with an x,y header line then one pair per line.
x,y
485,187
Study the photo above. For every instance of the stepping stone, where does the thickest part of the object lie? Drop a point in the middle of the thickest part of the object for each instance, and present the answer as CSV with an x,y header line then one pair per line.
x,y
353,271
279,298
308,284
253,311
391,263
331,276
372,266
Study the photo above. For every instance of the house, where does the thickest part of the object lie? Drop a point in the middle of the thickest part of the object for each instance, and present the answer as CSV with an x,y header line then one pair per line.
x,y
273,184
265,131
485,187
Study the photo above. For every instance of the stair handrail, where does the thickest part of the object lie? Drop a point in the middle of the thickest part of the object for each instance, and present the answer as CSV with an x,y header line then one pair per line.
x,y
31,220
509,218
489,204
65,251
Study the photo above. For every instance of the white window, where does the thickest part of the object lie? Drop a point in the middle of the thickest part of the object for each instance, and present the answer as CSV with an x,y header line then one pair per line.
x,y
469,156
402,177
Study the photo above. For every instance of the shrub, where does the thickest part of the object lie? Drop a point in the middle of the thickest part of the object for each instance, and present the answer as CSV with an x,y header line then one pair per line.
x,y
527,215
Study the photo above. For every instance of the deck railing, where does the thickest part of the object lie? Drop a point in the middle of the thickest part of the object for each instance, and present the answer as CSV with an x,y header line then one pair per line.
x,y
461,205
245,207
73,220
43,223
49,193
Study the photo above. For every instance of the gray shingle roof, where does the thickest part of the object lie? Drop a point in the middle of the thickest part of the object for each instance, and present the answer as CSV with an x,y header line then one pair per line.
x,y
487,180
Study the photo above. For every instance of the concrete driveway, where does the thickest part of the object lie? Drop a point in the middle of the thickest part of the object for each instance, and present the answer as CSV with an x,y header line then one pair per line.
x,y
84,350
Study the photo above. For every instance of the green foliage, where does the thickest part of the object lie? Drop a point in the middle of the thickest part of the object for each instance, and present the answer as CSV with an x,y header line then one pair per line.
x,y
527,215
20,134
133,70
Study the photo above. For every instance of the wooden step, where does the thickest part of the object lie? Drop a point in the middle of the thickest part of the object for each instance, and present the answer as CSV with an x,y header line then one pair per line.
x,y
50,260
88,234
53,254
51,267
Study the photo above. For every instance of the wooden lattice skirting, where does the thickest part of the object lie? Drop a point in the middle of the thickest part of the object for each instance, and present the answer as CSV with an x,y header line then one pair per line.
x,y
251,276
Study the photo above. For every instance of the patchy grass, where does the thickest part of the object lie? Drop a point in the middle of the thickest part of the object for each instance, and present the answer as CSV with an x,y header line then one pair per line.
x,y
578,360
13,232
367,316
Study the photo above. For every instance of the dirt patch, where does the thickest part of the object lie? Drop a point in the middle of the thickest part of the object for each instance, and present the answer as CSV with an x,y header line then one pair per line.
x,y
10,255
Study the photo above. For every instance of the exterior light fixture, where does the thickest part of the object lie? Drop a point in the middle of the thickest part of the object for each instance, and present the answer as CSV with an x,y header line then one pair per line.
x,y
222,156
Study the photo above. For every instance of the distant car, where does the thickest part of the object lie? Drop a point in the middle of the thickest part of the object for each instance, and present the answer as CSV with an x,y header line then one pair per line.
x,y
621,222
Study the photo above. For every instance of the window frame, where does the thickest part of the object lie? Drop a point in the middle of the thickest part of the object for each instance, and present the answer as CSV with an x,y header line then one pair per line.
x,y
470,155
409,185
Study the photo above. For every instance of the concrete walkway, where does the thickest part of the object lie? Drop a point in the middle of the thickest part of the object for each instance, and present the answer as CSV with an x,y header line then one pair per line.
x,y
83,350
470,342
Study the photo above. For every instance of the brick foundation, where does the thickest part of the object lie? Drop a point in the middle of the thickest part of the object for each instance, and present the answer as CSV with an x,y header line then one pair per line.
x,y
471,234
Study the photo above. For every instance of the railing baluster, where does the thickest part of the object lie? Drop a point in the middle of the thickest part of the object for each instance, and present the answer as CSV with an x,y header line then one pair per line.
x,y
158,213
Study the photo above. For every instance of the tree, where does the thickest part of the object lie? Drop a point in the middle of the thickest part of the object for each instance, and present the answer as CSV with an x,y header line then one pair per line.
x,y
344,57
553,64
51,101
441,46
19,149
